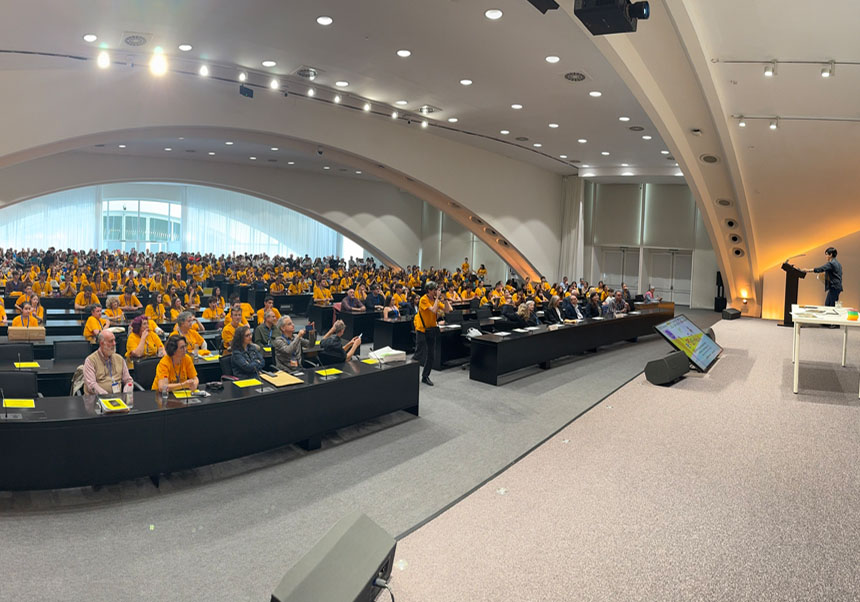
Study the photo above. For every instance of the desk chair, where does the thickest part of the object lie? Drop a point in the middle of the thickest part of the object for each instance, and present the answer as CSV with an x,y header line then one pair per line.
x,y
327,359
474,303
226,367
22,384
144,373
484,313
10,352
71,350
454,317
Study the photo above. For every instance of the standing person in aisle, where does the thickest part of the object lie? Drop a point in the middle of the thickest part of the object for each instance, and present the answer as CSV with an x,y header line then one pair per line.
x,y
832,277
426,330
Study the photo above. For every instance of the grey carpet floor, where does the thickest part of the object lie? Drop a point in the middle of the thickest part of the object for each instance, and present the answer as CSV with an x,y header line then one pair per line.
x,y
229,531
726,486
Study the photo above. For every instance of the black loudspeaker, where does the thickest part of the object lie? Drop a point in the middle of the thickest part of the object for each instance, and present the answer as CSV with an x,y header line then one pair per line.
x,y
667,370
719,303
602,17
731,314
342,566
711,334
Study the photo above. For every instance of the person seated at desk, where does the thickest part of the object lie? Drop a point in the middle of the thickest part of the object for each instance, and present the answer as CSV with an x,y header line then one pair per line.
x,y
216,292
128,301
288,348
265,331
351,302
532,317
268,305
176,369
322,293
570,308
277,287
626,295
615,304
24,297
185,327
651,296
42,287
375,298
95,323
105,371
593,309
390,311
155,311
333,346
552,314
2,313
68,288
230,327
192,297
142,342
25,319
245,308
245,357
213,312
37,310
86,298
176,308
113,311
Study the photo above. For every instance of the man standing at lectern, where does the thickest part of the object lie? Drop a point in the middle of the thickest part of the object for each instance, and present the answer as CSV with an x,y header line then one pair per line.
x,y
832,277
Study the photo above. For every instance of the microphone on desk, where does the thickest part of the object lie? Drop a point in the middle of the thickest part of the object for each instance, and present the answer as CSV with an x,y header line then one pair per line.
x,y
19,362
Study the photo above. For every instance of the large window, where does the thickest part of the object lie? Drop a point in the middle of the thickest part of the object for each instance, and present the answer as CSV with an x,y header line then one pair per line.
x,y
141,224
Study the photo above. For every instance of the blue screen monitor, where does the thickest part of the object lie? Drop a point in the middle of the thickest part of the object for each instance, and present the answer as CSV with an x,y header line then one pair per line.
x,y
685,336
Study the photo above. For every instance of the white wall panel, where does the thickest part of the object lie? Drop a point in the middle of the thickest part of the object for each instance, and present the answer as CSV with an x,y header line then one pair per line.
x,y
617,215
669,216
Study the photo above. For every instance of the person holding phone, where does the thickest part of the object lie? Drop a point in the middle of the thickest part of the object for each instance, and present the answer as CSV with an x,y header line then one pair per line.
x,y
332,345
288,348
426,330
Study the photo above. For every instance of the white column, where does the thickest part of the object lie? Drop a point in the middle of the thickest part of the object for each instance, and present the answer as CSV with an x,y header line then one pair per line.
x,y
571,259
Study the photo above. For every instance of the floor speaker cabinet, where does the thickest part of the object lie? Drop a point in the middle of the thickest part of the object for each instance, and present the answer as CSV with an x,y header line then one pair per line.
x,y
342,566
719,303
731,314
667,370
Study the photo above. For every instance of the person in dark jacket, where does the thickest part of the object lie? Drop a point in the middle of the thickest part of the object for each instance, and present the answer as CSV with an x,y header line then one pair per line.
x,y
245,358
593,309
552,314
832,277
570,308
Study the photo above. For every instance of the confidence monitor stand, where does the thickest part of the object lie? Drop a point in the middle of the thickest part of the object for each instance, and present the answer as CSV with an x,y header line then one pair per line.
x,y
792,275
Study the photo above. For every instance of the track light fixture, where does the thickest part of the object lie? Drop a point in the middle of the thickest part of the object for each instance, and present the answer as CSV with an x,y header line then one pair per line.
x,y
774,123
742,122
770,69
829,70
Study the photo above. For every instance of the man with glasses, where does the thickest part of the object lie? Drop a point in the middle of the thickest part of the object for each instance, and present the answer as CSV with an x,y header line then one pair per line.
x,y
105,371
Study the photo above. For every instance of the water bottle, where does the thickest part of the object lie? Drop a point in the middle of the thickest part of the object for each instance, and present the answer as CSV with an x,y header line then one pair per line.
x,y
164,395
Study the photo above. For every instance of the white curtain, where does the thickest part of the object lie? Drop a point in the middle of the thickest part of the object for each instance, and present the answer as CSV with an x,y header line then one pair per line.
x,y
65,220
221,221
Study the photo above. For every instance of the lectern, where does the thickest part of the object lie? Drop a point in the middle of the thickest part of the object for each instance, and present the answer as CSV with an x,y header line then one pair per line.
x,y
792,275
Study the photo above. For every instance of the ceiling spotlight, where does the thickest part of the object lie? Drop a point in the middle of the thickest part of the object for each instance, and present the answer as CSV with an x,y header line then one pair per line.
x,y
493,14
291,162
103,60
605,153
358,171
274,148
311,92
90,37
625,165
562,156
770,69
623,119
168,149
466,82
158,62
742,123
274,84
582,140
204,71
341,84
253,158
552,59
537,145
366,106
453,120
185,47
774,123
326,167
269,63
584,165
595,94
504,132
403,53
242,76
553,125
120,145
401,103
394,114
588,174
325,21
626,173
337,99
229,143
516,106
424,123
829,70
646,137
211,154
664,152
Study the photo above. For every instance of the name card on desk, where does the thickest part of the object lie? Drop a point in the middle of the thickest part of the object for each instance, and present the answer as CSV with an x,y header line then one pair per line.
x,y
183,394
520,330
502,334
248,382
10,402
496,317
26,364
531,327
329,372
267,349
210,358
370,361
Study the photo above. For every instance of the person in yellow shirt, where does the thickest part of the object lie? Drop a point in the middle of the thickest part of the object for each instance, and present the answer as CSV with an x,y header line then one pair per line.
x,y
213,312
86,298
425,328
322,293
230,328
295,287
184,326
128,301
2,313
155,311
482,272
113,311
465,265
176,369
42,287
24,297
192,297
277,287
399,296
68,288
25,319
95,323
268,305
142,342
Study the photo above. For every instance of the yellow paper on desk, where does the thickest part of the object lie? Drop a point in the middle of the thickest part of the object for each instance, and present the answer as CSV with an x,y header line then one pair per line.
x,y
114,404
317,343
248,382
10,402
370,361
26,364
183,394
210,358
329,372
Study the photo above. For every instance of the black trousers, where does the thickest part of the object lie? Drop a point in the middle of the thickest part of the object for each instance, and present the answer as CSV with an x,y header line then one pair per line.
x,y
425,349
832,297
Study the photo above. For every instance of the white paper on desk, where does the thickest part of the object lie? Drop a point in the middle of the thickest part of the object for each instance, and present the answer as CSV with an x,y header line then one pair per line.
x,y
635,313
496,318
531,327
597,318
520,330
502,334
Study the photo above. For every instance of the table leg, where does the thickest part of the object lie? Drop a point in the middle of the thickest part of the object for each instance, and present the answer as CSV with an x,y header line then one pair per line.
x,y
796,354
844,345
794,342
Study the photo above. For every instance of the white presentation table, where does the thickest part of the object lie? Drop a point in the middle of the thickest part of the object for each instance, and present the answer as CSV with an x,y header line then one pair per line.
x,y
821,315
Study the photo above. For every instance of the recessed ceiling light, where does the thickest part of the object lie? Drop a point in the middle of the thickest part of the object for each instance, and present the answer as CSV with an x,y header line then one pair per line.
x,y
453,120
204,71
185,47
562,156
274,84
504,132
325,21
537,145
291,162
211,154
552,59
90,37
742,123
229,143
605,153
274,148
588,174
770,69
625,165
664,152
424,124
516,106
627,173
394,114
158,62
103,60
358,171
341,84
582,140
595,94
312,92
120,145
268,63
253,158
493,14
584,165
402,103
366,106
774,124
326,167
466,82
553,125
337,98
646,137
403,53
623,119
181,138
242,76
167,148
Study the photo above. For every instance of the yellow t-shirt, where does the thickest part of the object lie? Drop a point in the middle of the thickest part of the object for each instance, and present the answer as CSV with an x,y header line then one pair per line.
x,y
43,289
217,314
114,314
82,299
227,335
174,374
260,313
192,338
425,317
29,322
92,326
150,349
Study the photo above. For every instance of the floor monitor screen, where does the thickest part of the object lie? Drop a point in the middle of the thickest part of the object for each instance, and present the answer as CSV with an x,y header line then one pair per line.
x,y
689,338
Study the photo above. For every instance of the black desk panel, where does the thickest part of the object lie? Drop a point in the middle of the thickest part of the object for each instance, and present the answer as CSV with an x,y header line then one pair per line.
x,y
64,442
397,334
361,322
322,316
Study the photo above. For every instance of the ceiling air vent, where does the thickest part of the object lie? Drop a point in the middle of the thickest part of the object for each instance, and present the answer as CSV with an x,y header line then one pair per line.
x,y
491,232
738,252
710,159
735,238
636,128
136,39
428,109
503,242
477,220
521,139
575,76
731,223
309,73
724,202
454,205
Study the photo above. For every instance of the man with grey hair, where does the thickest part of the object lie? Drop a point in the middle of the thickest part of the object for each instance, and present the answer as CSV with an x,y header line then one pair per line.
x,y
185,327
265,332
332,345
288,348
105,371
